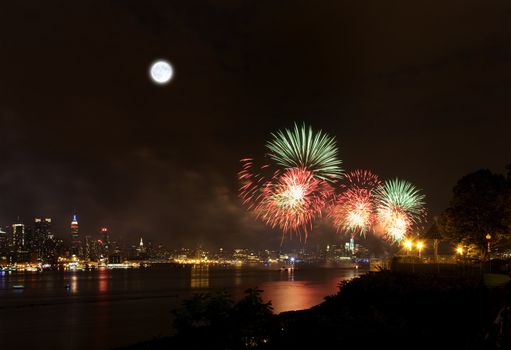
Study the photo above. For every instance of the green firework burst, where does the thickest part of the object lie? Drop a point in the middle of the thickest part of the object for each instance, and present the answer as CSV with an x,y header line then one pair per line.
x,y
303,147
403,195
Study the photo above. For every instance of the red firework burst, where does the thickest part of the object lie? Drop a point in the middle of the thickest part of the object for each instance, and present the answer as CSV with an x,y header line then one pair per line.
x,y
253,179
354,208
293,200
394,223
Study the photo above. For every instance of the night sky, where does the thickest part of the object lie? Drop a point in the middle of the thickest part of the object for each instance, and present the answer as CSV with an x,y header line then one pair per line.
x,y
417,89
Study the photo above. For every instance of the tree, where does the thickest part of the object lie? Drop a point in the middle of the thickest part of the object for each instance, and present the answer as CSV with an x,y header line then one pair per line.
x,y
479,206
254,319
213,321
203,310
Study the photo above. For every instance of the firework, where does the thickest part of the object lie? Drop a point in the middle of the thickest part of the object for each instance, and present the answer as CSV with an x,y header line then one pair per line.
x,y
361,179
304,148
354,209
400,206
253,179
293,200
395,223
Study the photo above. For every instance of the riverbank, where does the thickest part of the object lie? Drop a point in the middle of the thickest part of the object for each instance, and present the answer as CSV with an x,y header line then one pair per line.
x,y
378,310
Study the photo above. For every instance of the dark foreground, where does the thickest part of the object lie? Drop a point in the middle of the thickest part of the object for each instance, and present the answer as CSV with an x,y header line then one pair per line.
x,y
389,310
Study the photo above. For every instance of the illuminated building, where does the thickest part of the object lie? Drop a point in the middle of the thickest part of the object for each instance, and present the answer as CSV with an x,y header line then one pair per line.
x,y
42,240
105,239
141,250
114,256
19,248
104,232
88,248
18,235
76,244
350,246
4,245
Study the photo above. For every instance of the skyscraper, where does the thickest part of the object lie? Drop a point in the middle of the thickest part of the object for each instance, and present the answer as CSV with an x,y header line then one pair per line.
x,y
88,249
4,245
18,235
42,232
19,251
44,241
76,244
105,236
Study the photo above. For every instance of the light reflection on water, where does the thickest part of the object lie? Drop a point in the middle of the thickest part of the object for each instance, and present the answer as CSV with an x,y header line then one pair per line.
x,y
103,281
290,294
74,284
104,309
199,276
237,275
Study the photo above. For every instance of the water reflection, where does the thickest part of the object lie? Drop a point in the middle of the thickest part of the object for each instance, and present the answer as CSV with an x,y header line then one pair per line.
x,y
3,285
103,281
294,294
199,276
237,275
74,284
288,274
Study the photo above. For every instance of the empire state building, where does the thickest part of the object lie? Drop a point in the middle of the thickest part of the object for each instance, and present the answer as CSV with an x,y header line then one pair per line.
x,y
76,244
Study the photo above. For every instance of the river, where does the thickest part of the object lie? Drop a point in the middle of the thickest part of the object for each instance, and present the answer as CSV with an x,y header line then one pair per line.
x,y
109,308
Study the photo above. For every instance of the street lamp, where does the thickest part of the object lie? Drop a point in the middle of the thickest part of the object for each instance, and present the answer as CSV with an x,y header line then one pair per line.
x,y
408,246
420,245
459,251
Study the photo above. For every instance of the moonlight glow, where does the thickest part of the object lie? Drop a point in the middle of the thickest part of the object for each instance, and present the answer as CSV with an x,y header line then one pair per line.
x,y
161,72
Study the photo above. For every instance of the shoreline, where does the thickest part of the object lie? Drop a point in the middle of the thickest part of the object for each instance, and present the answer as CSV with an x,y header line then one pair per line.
x,y
485,299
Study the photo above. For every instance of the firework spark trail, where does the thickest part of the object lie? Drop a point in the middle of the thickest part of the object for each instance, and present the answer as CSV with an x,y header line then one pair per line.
x,y
362,179
305,148
354,209
253,178
293,201
395,223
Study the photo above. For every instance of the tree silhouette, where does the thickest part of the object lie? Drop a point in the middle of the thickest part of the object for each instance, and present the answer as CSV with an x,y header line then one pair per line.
x,y
479,206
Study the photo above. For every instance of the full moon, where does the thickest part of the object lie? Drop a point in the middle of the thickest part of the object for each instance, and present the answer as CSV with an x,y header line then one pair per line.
x,y
161,72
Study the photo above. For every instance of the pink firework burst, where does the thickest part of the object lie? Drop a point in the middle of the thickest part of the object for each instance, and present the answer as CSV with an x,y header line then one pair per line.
x,y
293,200
394,223
354,209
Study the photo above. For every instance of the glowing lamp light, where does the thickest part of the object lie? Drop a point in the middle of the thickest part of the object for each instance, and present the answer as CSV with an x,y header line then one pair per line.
x,y
420,245
459,250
